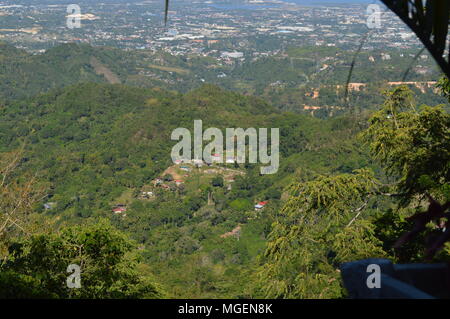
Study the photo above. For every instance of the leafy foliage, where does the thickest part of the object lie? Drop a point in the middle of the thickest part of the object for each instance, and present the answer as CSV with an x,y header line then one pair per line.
x,y
413,146
314,233
333,219
36,267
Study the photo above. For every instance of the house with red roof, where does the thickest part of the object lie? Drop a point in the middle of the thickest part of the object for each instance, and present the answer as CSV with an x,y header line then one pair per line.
x,y
178,182
261,205
119,210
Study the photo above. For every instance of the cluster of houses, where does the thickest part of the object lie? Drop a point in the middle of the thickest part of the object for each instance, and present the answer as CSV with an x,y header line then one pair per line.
x,y
216,158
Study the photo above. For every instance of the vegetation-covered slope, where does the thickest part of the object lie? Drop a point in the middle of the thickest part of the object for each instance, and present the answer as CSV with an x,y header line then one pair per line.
x,y
77,153
94,146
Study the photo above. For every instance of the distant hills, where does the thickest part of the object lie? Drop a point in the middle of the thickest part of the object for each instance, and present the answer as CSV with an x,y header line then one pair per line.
x,y
288,81
24,75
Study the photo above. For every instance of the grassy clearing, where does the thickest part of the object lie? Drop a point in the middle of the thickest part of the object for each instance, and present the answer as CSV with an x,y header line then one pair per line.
x,y
168,69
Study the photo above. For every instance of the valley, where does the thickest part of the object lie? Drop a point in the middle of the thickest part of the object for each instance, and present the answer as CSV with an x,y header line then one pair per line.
x,y
89,182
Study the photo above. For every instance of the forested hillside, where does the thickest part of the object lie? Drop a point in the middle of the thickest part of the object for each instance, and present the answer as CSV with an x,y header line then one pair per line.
x,y
87,178
97,145
301,80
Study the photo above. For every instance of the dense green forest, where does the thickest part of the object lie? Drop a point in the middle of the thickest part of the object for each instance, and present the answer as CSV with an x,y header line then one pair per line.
x,y
84,163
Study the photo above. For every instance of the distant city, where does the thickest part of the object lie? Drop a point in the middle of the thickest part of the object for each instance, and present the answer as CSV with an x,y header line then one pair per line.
x,y
223,30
